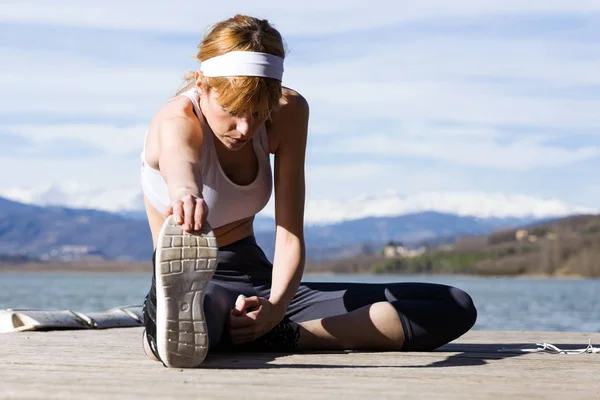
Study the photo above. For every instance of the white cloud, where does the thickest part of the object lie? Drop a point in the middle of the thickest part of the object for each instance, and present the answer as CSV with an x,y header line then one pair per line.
x,y
427,77
343,172
388,203
72,85
460,77
108,138
477,204
411,83
310,17
104,172
76,195
398,83
588,192
451,55
461,102
473,148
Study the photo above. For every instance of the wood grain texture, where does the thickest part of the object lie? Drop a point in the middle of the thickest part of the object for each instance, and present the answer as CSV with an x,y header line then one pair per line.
x,y
111,364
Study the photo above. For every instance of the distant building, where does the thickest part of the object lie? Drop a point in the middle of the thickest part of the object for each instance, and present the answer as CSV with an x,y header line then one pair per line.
x,y
392,249
73,253
521,235
397,249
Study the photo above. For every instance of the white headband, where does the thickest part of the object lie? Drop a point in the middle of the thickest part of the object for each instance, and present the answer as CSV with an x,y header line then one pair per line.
x,y
244,63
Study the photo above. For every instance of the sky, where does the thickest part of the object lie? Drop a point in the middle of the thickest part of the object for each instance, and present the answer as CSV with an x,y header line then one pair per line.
x,y
480,106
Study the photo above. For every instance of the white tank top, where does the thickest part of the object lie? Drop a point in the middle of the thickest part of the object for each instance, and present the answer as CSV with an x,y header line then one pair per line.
x,y
226,201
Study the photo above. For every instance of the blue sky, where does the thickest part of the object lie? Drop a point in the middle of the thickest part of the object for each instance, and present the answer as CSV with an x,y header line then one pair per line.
x,y
494,98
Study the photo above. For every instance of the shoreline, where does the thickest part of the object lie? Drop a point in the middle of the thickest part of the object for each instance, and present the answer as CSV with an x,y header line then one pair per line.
x,y
82,267
145,268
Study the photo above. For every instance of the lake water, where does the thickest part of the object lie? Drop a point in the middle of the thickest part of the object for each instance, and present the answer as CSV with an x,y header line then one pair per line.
x,y
502,303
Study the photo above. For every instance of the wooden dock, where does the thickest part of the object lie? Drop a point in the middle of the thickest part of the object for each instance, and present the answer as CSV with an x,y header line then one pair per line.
x,y
110,364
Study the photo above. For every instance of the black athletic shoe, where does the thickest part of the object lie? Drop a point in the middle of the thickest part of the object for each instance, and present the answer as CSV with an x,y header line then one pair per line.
x,y
149,319
185,263
283,338
149,345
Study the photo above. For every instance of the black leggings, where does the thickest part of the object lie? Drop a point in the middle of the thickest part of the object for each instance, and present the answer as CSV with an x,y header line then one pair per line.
x,y
431,314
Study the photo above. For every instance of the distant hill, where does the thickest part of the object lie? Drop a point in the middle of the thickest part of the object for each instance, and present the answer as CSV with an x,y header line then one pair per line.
x,y
350,238
566,246
60,232
37,232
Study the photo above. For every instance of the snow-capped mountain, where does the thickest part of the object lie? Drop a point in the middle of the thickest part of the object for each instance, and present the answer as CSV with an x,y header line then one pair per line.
x,y
38,231
322,212
464,203
74,195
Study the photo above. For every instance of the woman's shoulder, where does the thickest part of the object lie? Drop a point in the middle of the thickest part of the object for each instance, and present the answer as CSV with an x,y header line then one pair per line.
x,y
176,114
176,108
290,119
292,101
174,121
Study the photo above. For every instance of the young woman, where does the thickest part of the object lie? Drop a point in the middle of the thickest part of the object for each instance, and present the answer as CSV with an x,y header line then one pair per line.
x,y
206,172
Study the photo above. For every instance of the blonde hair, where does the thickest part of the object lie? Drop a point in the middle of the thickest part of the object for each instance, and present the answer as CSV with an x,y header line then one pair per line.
x,y
240,94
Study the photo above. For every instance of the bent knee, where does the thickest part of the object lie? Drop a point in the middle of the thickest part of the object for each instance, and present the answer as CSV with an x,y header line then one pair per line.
x,y
466,314
387,321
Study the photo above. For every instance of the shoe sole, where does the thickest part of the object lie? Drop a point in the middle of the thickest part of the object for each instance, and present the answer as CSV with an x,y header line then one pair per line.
x,y
185,263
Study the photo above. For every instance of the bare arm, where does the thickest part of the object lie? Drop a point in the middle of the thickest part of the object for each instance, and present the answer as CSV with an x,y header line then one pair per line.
x,y
291,123
179,158
289,127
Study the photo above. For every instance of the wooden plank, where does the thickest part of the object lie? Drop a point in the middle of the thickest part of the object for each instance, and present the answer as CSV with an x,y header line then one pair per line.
x,y
111,364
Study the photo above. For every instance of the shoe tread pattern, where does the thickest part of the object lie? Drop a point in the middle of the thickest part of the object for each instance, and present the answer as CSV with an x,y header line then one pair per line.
x,y
185,263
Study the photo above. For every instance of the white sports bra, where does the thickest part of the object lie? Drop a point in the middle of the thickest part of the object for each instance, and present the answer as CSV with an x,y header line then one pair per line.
x,y
226,201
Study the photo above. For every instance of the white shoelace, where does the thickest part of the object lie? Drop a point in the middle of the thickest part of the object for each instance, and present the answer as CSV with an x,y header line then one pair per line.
x,y
552,349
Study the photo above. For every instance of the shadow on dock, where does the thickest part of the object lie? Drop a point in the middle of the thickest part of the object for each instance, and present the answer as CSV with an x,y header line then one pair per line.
x,y
463,354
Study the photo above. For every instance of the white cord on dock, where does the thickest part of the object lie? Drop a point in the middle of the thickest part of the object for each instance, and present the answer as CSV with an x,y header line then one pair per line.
x,y
552,349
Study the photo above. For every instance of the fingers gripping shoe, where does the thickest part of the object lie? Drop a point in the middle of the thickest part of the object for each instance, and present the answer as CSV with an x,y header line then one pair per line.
x,y
185,263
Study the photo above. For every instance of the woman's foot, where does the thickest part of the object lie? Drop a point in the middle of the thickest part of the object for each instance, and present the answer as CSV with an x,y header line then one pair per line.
x,y
185,263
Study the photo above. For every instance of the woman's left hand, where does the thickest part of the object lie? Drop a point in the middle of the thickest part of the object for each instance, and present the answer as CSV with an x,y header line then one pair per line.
x,y
251,318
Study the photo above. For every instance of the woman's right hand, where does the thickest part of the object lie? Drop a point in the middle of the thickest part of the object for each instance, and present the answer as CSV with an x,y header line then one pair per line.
x,y
189,210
